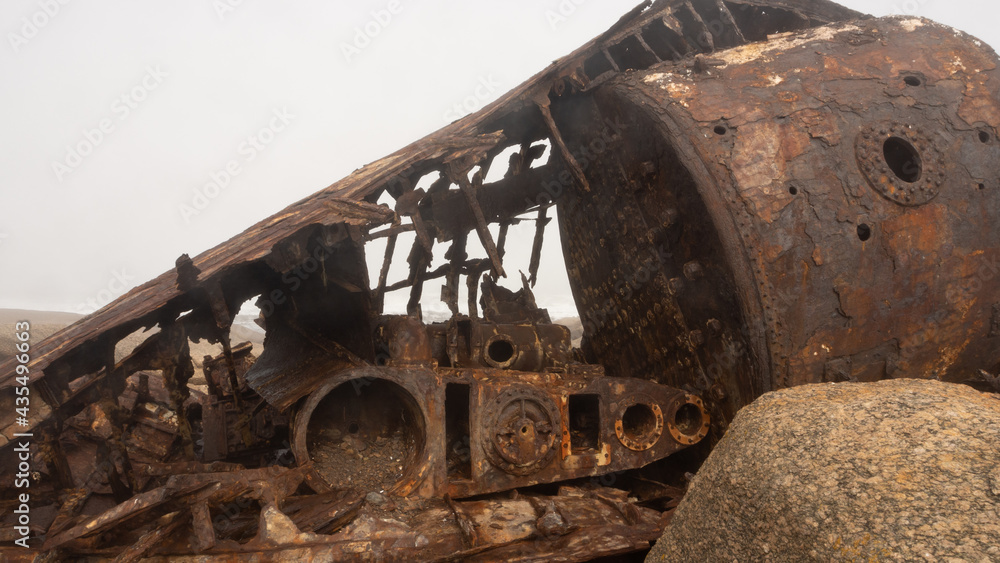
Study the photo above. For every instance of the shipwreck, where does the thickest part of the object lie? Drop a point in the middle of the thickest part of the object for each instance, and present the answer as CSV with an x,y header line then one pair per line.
x,y
749,195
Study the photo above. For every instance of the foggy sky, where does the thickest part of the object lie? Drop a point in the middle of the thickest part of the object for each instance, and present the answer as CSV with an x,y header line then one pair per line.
x,y
264,97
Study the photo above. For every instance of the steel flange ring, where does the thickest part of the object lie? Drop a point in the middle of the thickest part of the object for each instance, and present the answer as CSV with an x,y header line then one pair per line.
x,y
638,423
900,162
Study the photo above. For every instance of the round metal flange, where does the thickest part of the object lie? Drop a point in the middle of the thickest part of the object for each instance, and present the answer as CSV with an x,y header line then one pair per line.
x,y
688,421
519,430
507,354
377,411
639,424
900,162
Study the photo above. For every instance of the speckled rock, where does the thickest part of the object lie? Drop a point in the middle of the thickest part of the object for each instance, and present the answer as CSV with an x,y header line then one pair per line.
x,y
899,470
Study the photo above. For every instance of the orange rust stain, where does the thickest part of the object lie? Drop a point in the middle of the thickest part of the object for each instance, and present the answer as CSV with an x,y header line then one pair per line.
x,y
835,67
760,154
821,124
979,106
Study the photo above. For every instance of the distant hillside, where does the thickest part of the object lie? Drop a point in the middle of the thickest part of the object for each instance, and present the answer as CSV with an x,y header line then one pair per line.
x,y
43,325
575,327
47,323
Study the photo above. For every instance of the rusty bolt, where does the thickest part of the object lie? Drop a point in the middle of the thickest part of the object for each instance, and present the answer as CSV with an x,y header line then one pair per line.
x,y
693,271
718,392
715,326
696,337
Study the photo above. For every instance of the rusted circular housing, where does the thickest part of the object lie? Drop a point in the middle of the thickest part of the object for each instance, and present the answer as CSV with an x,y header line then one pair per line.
x,y
363,432
639,424
519,430
500,351
808,273
900,163
688,421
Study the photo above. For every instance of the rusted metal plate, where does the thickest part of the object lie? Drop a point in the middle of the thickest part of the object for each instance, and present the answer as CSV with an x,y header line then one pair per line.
x,y
465,432
852,191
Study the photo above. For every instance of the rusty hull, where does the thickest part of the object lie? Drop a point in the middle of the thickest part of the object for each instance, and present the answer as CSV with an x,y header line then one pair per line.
x,y
825,204
749,194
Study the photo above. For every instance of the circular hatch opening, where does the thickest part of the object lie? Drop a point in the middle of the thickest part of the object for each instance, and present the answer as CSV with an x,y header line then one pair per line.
x,y
903,159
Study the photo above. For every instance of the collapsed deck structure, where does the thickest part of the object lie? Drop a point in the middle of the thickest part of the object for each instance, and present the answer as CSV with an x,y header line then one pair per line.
x,y
749,195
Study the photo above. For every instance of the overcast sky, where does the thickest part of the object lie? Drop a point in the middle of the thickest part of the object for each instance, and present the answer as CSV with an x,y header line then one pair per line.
x,y
116,112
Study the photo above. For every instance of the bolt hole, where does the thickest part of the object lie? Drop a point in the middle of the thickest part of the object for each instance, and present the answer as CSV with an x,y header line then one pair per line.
x,y
912,81
982,186
688,419
864,232
793,190
501,351
984,137
353,428
524,430
638,422
721,130
903,159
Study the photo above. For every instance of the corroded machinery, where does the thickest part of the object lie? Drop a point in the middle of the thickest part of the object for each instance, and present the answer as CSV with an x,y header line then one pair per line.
x,y
826,204
748,194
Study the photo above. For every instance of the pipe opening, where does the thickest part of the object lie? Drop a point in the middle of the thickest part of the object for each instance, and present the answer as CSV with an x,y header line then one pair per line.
x,y
500,351
366,434
903,159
